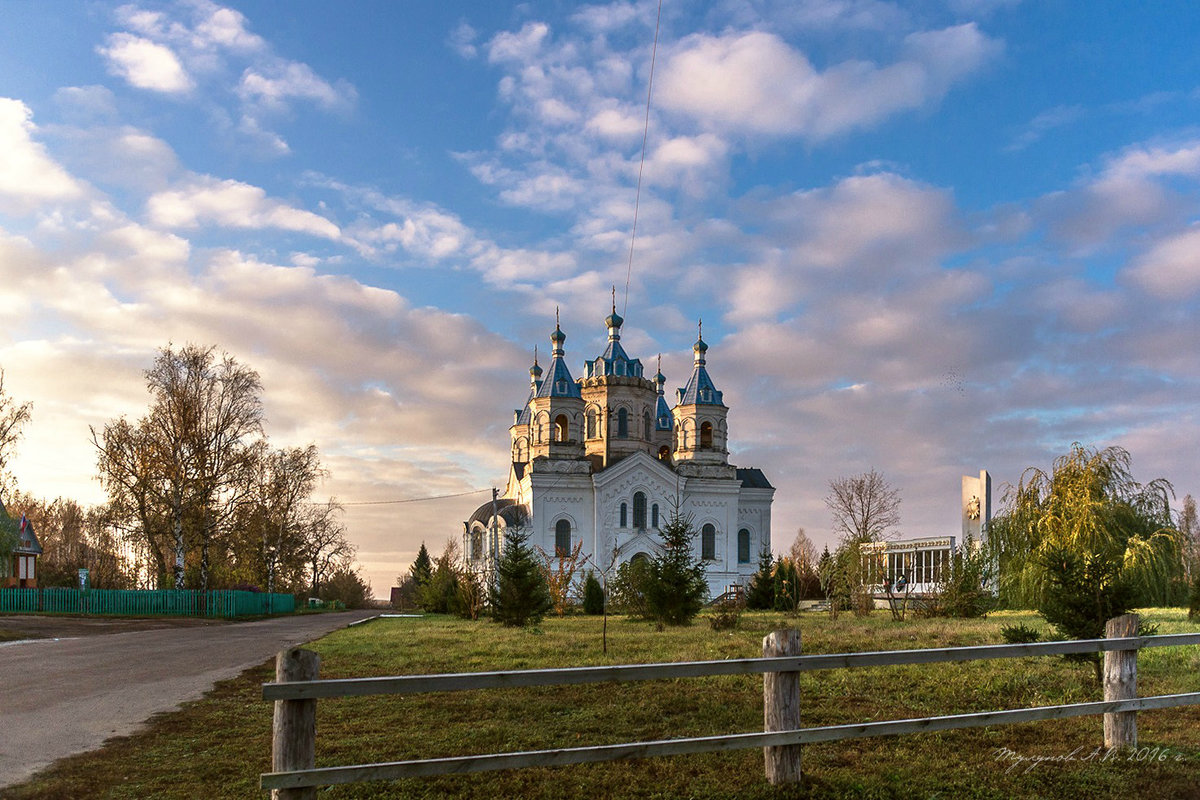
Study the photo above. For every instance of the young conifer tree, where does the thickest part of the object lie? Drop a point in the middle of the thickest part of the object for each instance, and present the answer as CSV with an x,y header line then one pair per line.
x,y
761,594
676,590
520,596
593,595
422,567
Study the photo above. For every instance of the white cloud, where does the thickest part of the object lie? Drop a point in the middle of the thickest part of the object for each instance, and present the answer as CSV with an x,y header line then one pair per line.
x,y
28,176
1044,122
227,28
519,47
425,232
197,44
207,200
86,104
283,81
121,156
1171,268
616,125
817,15
462,40
754,82
145,64
1137,187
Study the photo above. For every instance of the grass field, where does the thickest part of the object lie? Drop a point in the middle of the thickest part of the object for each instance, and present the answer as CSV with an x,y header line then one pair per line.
x,y
217,747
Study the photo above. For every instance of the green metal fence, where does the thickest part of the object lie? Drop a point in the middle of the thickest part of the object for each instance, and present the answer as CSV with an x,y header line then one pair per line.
x,y
172,602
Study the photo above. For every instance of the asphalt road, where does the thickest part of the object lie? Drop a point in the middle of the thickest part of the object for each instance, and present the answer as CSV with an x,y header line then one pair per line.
x,y
64,696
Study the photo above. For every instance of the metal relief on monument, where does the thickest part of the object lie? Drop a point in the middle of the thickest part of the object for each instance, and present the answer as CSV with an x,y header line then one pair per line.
x,y
973,508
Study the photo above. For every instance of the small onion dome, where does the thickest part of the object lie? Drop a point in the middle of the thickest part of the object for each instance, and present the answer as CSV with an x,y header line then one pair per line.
x,y
660,379
700,348
557,338
614,322
535,371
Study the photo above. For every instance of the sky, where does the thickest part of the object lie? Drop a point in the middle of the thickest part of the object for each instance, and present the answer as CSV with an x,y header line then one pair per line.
x,y
926,238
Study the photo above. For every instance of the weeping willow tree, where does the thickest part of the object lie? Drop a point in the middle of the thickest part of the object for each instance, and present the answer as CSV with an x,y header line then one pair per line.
x,y
1088,508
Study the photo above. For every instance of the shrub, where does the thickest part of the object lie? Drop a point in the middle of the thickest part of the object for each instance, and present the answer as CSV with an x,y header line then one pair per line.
x,y
627,589
726,613
346,586
593,595
1019,634
1194,601
962,591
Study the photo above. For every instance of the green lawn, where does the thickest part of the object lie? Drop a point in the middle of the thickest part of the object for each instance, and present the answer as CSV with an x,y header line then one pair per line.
x,y
218,746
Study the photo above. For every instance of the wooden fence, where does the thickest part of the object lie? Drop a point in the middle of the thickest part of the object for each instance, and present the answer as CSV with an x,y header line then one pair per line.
x,y
297,688
168,602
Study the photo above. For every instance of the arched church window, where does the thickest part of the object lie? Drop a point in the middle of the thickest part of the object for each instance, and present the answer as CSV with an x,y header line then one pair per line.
x,y
624,515
622,424
560,428
639,509
476,544
708,542
591,423
706,439
562,538
654,516
647,426
664,454
743,546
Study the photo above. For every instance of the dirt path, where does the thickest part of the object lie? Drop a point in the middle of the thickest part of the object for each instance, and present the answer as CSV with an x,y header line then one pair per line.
x,y
61,695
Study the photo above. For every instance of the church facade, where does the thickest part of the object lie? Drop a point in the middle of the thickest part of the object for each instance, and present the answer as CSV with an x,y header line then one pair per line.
x,y
601,461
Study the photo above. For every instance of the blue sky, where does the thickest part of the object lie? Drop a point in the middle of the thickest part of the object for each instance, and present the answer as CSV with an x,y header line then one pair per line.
x,y
928,238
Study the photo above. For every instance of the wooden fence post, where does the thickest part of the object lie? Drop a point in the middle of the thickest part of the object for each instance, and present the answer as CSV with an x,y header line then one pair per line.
x,y
781,707
294,737
1120,683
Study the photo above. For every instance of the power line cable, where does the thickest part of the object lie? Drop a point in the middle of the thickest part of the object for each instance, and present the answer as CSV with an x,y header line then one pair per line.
x,y
637,199
413,499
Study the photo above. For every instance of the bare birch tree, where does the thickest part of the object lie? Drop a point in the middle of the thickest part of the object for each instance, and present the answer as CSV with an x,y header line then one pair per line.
x,y
324,546
865,507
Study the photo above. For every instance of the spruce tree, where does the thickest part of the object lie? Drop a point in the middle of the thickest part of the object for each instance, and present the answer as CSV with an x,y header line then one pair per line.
x,y
787,585
520,596
593,595
676,590
422,568
761,593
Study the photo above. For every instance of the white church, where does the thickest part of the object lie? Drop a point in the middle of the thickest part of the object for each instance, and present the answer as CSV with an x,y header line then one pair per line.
x,y
603,459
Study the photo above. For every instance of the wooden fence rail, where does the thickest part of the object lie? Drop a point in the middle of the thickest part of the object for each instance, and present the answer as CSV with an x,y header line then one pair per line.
x,y
294,776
